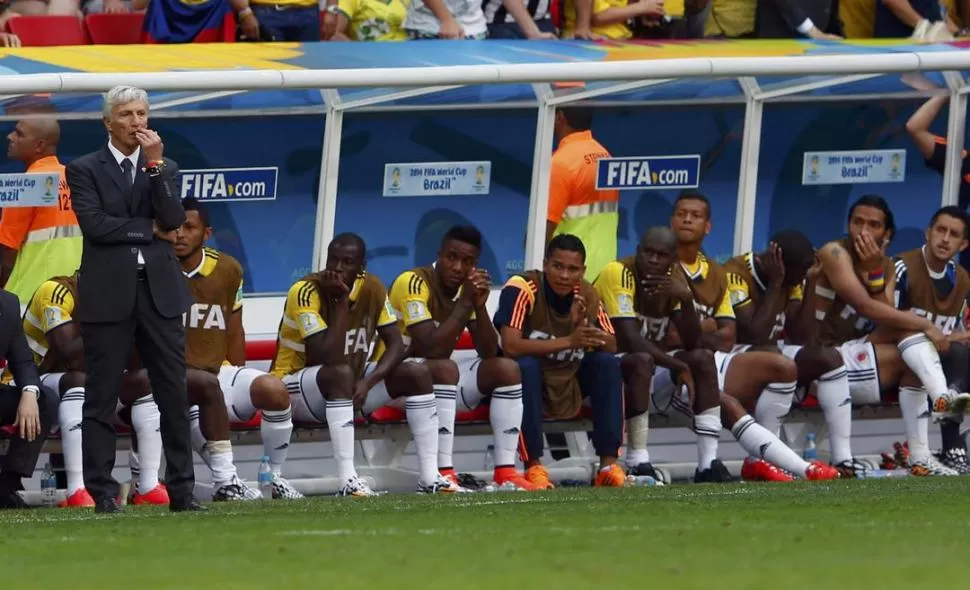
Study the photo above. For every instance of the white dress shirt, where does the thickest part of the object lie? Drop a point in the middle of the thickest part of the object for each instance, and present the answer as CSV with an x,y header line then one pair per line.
x,y
133,158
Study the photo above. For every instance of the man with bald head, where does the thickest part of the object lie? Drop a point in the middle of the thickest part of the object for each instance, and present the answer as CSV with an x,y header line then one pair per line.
x,y
37,243
644,295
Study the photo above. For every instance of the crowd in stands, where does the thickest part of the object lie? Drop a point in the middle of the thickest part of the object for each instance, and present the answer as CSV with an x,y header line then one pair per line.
x,y
182,21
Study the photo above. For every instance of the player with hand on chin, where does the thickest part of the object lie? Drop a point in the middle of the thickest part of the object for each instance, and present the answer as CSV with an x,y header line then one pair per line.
x,y
643,295
434,304
330,321
855,308
553,324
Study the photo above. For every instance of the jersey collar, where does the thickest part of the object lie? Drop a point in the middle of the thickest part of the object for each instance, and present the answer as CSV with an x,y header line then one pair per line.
x,y
576,136
355,291
949,272
754,271
197,270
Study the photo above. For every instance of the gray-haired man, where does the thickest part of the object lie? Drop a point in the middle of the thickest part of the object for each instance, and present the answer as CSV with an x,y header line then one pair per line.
x,y
131,292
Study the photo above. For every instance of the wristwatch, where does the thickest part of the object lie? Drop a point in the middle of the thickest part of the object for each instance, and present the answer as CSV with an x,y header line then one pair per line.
x,y
35,390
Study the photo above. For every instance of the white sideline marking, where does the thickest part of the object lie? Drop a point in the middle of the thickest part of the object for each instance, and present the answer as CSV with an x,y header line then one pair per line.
x,y
448,531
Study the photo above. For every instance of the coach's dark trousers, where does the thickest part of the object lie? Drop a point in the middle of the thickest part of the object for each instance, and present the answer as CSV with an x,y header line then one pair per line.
x,y
600,380
160,343
22,455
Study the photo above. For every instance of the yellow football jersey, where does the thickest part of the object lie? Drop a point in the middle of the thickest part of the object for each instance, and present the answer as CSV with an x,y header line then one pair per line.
x,y
304,315
711,297
415,300
51,306
374,20
745,288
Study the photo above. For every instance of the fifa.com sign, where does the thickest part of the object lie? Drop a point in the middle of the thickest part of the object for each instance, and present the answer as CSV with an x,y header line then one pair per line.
x,y
230,184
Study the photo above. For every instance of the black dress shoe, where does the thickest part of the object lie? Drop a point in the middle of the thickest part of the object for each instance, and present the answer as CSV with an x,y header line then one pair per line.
x,y
10,500
107,505
189,504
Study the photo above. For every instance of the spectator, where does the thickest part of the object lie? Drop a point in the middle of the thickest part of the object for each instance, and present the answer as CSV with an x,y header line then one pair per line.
x,y
172,21
446,19
23,405
575,206
367,20
7,39
731,19
858,18
108,6
37,243
911,18
609,17
815,19
683,19
278,20
519,19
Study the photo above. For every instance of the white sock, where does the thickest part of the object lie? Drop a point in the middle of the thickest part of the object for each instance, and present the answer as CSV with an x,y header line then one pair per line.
x,y
774,402
707,427
223,468
505,414
275,430
145,419
759,442
69,417
916,420
446,397
836,403
340,422
637,432
198,439
423,420
921,357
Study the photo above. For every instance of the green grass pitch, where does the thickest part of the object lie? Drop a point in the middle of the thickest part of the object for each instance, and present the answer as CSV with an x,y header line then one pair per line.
x,y
877,534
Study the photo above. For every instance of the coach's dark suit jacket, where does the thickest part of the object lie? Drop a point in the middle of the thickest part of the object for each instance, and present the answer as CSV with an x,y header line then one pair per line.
x,y
13,343
115,227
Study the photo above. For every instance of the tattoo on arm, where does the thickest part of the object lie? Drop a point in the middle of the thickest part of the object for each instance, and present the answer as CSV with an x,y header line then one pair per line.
x,y
835,251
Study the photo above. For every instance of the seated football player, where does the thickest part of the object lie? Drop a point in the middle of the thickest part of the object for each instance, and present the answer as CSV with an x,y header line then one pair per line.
x,y
55,339
743,376
772,309
643,294
214,331
931,284
434,304
553,324
330,321
854,294
204,391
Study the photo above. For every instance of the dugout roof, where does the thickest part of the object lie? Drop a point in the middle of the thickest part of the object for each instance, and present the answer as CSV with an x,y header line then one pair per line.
x,y
290,56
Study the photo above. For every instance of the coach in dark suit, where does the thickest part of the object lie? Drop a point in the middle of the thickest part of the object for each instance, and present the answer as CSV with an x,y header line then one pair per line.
x,y
131,290
24,405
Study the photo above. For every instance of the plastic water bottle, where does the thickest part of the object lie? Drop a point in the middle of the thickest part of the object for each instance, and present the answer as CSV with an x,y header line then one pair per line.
x,y
642,481
489,458
811,451
265,478
48,486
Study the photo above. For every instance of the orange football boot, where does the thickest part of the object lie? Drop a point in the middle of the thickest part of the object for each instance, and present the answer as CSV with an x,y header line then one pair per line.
x,y
157,496
539,477
761,470
450,475
611,476
79,499
505,475
818,471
